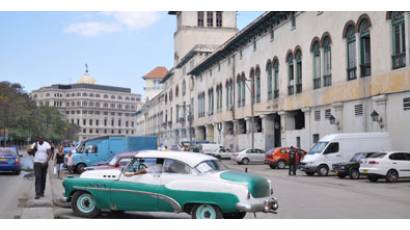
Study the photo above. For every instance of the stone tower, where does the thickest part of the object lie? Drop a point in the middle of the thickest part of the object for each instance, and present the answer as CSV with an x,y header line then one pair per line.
x,y
202,27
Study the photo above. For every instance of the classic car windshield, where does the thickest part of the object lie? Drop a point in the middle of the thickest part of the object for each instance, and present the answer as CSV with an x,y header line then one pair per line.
x,y
113,161
210,166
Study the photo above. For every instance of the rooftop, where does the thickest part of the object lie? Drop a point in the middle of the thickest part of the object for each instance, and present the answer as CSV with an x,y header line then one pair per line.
x,y
158,73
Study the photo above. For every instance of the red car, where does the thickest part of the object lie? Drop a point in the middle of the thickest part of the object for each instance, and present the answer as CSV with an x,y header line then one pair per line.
x,y
279,157
117,161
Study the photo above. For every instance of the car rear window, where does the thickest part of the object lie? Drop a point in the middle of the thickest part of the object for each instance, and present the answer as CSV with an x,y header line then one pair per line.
x,y
377,155
8,151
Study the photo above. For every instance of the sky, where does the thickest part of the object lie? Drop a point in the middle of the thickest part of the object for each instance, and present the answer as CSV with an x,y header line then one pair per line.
x,y
43,48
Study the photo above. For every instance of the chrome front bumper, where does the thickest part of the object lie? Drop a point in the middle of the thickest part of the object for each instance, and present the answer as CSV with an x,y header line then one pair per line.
x,y
269,205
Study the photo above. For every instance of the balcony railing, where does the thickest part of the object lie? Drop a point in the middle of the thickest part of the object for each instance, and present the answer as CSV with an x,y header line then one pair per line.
x,y
276,93
398,60
316,83
365,70
298,87
327,80
291,90
351,73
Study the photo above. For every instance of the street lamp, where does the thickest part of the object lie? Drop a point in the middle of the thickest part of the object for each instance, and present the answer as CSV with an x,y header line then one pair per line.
x,y
376,118
190,118
333,121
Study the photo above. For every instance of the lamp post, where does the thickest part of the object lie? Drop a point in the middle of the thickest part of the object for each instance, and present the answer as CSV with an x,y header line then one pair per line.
x,y
190,118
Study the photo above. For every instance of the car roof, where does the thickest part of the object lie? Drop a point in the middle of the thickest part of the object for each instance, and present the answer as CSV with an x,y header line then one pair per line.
x,y
330,137
189,158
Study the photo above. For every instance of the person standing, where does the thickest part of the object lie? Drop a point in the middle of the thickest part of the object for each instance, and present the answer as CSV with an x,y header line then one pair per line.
x,y
42,154
292,161
59,160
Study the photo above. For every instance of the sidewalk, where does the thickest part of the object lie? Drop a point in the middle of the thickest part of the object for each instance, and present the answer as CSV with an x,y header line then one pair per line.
x,y
41,208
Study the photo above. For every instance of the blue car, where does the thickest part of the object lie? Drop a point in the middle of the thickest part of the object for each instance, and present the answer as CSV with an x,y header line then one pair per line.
x,y
10,160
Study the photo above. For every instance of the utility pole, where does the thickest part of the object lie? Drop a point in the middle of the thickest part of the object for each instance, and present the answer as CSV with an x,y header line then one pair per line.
x,y
252,91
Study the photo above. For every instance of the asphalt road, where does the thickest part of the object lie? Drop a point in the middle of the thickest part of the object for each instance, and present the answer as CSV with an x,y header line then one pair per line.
x,y
303,197
13,190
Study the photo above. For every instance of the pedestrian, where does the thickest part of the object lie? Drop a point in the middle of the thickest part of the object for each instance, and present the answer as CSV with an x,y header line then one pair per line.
x,y
59,160
70,162
292,161
42,154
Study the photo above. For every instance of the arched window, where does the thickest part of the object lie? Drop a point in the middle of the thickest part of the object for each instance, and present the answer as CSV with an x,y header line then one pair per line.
x,y
177,91
270,79
291,74
275,77
327,61
316,64
239,89
298,56
398,40
351,52
365,51
258,84
243,78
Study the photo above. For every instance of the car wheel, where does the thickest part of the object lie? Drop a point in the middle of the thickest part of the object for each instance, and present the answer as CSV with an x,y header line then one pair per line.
x,y
341,175
323,170
373,178
245,161
272,166
80,168
281,165
309,173
84,205
235,215
354,174
392,176
206,211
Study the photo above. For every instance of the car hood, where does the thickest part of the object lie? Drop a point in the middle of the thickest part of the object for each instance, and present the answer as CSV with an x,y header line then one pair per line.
x,y
311,158
258,186
106,174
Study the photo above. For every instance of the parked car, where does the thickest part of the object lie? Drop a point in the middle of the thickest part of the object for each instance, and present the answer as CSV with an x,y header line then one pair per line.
x,y
96,150
193,183
351,168
340,147
216,150
10,159
119,160
248,155
390,165
279,157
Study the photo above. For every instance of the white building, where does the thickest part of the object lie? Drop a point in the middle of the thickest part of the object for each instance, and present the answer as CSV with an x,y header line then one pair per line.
x,y
98,110
313,73
153,84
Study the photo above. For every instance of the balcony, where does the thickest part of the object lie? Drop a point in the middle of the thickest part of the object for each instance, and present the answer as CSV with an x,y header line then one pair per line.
x,y
276,93
365,70
291,90
398,60
298,87
327,80
351,73
316,83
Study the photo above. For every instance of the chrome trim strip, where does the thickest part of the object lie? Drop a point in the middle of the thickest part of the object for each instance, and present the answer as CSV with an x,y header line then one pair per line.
x,y
175,205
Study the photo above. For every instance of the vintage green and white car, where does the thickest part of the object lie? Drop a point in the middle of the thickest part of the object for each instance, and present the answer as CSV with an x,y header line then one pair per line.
x,y
194,183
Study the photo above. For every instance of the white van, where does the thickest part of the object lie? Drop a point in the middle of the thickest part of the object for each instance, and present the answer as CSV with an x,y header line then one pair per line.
x,y
338,148
216,150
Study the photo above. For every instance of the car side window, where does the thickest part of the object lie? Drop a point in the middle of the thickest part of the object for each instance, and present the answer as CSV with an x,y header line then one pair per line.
x,y
173,166
124,161
406,156
397,156
332,148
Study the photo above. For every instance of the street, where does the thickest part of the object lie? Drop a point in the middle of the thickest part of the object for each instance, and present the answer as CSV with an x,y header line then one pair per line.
x,y
306,197
14,191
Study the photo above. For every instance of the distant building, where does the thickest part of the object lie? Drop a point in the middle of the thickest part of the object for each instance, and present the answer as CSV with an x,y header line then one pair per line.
x,y
153,85
98,109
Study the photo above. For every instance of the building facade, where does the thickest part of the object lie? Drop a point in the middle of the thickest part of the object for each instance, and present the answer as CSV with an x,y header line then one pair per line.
x,y
305,74
153,84
97,109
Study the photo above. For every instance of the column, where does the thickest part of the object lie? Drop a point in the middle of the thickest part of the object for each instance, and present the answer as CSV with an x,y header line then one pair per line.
x,y
268,130
283,118
308,132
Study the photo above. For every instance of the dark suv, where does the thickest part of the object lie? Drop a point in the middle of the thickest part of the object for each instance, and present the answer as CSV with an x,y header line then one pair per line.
x,y
351,168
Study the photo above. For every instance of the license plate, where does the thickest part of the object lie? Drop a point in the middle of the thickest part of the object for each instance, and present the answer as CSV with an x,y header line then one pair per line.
x,y
365,170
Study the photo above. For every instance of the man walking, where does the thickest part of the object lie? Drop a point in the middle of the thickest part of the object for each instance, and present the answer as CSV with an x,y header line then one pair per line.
x,y
42,154
292,161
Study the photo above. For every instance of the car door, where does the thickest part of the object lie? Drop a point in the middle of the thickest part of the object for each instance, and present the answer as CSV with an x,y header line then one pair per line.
x,y
332,153
137,192
175,179
259,155
406,168
398,161
250,154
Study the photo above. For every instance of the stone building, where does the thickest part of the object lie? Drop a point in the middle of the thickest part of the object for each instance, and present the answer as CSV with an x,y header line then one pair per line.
x,y
98,109
311,74
152,80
